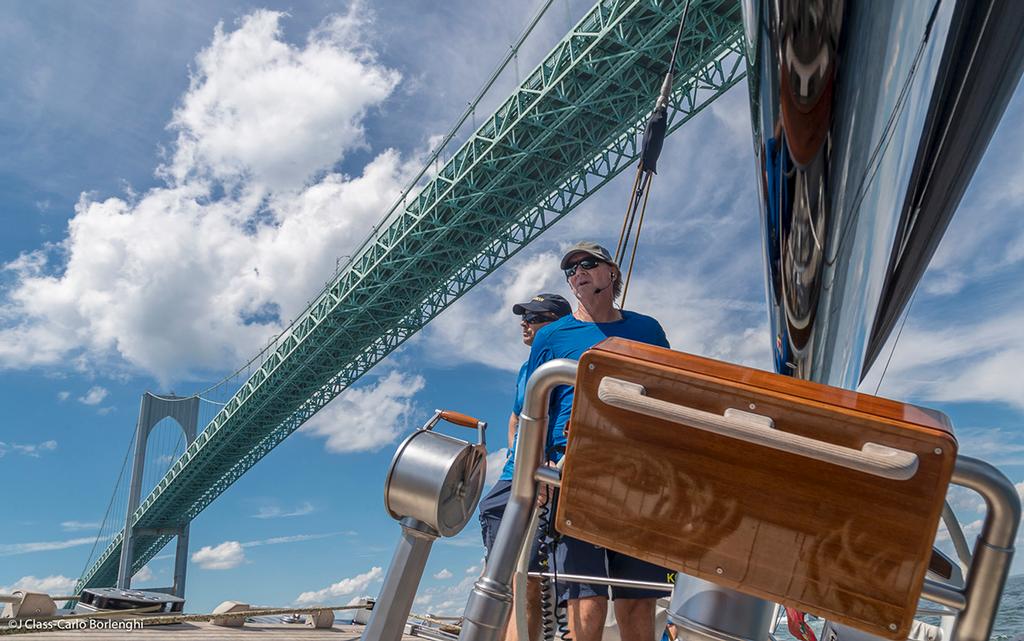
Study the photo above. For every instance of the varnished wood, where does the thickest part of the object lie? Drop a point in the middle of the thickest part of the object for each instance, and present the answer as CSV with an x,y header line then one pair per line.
x,y
458,418
828,540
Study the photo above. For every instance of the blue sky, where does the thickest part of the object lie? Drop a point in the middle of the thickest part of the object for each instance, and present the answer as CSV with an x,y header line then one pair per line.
x,y
174,191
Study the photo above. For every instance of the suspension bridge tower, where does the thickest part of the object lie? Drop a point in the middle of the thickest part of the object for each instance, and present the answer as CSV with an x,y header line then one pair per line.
x,y
185,412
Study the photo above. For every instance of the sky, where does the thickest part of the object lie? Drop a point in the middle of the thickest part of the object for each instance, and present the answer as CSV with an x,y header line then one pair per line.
x,y
179,180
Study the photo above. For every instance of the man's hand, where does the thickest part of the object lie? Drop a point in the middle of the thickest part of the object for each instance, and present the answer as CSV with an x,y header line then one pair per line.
x,y
545,491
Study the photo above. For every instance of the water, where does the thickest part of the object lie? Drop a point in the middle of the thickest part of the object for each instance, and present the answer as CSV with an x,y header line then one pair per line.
x,y
1010,620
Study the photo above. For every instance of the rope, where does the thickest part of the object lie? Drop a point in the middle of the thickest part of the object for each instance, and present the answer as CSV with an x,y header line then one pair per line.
x,y
444,622
636,242
641,191
176,618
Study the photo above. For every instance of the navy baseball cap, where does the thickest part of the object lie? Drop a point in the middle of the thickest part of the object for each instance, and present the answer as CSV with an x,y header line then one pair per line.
x,y
550,303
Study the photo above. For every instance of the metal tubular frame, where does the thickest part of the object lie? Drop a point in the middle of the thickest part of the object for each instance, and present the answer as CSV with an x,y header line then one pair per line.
x,y
993,550
569,128
490,602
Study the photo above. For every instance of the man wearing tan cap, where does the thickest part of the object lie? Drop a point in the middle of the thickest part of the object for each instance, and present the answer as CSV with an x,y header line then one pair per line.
x,y
595,281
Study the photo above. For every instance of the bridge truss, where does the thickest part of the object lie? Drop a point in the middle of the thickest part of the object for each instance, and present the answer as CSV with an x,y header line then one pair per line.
x,y
569,128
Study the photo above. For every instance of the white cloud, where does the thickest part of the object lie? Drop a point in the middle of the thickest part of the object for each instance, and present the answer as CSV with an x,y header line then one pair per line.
x,y
998,446
276,512
63,396
697,318
231,554
32,450
964,501
473,569
12,549
94,396
481,328
445,573
495,464
344,587
74,526
225,556
56,585
194,273
369,417
272,113
145,574
698,269
294,538
956,360
447,600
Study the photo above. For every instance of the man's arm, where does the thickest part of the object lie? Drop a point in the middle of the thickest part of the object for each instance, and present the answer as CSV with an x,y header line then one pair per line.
x,y
513,421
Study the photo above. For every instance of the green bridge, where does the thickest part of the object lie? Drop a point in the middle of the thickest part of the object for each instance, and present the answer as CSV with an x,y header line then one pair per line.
x,y
571,126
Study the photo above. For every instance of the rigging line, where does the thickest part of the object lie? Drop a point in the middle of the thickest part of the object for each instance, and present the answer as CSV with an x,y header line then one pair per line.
x,y
110,504
636,243
642,184
627,224
675,47
896,342
625,218
639,197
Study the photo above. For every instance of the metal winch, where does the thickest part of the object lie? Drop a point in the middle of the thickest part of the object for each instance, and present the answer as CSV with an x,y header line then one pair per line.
x,y
432,489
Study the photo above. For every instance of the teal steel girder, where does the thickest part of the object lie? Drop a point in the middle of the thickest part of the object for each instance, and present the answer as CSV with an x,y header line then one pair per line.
x,y
570,127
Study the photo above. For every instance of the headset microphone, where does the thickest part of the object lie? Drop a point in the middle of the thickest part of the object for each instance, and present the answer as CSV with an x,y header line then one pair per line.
x,y
598,290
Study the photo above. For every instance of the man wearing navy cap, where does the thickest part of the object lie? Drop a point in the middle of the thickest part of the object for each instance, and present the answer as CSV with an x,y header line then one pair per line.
x,y
534,314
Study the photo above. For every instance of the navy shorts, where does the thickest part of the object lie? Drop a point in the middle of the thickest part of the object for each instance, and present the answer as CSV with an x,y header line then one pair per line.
x,y
573,556
492,508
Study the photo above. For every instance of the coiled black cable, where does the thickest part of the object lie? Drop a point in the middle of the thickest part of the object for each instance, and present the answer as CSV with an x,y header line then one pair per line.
x,y
553,616
545,551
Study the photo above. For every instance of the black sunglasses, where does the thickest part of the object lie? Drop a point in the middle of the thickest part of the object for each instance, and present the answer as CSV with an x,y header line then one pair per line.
x,y
532,318
585,263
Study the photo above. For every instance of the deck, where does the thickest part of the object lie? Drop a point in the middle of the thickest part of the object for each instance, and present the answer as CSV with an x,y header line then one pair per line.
x,y
210,632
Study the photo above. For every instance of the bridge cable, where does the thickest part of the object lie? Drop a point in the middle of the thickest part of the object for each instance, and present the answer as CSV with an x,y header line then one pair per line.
x,y
653,141
468,114
110,504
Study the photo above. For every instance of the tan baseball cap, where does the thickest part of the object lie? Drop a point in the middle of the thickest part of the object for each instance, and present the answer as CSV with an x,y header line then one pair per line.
x,y
588,247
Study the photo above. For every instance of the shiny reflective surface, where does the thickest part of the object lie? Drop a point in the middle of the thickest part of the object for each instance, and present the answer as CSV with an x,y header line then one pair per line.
x,y
838,94
843,544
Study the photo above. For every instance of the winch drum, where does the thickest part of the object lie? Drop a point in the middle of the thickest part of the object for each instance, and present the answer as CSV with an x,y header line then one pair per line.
x,y
428,481
702,610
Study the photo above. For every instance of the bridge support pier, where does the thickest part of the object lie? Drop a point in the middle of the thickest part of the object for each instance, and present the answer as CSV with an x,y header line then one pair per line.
x,y
152,410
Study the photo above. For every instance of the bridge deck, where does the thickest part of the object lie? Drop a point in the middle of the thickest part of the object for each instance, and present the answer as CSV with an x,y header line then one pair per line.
x,y
572,125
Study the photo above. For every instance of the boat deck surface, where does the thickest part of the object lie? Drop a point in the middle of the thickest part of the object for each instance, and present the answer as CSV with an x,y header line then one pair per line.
x,y
210,632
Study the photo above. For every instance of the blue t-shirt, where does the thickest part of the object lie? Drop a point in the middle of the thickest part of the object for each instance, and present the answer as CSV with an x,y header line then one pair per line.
x,y
568,337
517,408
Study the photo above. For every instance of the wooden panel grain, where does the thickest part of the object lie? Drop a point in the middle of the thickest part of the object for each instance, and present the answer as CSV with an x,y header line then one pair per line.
x,y
825,539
